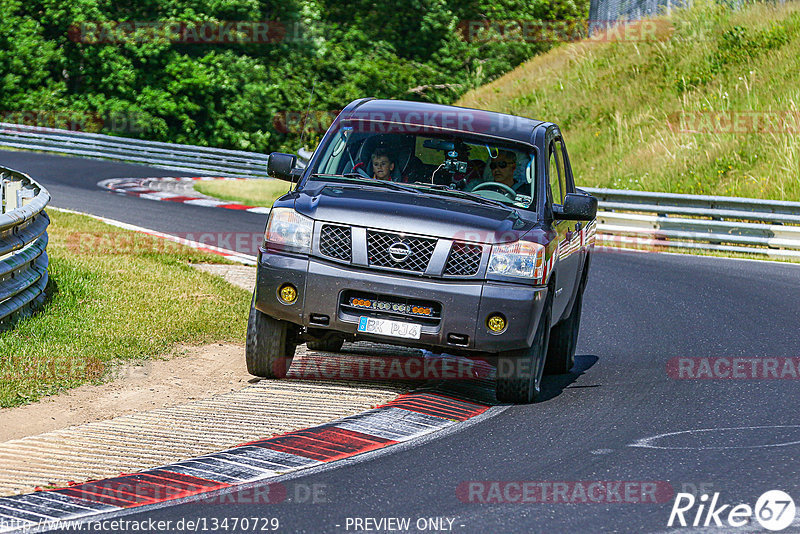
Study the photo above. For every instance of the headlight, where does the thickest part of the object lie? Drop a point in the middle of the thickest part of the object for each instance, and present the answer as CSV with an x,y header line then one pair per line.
x,y
289,230
521,259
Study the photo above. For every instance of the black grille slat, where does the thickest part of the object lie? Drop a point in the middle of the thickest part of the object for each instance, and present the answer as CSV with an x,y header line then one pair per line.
x,y
464,260
378,244
336,242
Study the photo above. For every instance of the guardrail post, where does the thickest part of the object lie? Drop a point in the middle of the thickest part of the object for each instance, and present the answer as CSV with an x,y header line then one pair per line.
x,y
11,190
25,196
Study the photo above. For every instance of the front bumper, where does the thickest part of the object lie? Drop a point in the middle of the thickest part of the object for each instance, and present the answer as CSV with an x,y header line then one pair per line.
x,y
466,304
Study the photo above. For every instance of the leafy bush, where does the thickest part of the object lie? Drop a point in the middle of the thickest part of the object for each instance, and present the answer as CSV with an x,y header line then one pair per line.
x,y
229,94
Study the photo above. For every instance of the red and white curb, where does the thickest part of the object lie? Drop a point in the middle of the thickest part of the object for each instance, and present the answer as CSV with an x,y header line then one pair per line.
x,y
408,417
232,255
144,188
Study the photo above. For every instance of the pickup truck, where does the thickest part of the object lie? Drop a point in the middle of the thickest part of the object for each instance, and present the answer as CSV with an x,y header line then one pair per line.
x,y
450,229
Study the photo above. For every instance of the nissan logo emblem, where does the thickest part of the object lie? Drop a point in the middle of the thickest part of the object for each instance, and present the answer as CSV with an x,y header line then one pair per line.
x,y
399,252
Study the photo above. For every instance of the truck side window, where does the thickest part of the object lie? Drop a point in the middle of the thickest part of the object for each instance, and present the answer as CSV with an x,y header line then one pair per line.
x,y
555,175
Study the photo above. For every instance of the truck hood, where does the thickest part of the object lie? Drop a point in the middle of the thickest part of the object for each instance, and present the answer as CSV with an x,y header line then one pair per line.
x,y
426,213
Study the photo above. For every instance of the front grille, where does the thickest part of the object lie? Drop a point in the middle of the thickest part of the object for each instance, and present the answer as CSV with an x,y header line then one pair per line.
x,y
336,242
419,250
464,260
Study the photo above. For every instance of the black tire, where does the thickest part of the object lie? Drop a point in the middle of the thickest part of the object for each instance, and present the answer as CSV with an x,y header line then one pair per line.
x,y
268,350
328,344
564,340
519,372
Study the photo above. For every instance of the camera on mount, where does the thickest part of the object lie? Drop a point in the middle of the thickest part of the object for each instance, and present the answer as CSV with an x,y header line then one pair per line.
x,y
453,164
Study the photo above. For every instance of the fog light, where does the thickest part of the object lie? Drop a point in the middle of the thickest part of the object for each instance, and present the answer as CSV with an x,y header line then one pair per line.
x,y
287,293
496,323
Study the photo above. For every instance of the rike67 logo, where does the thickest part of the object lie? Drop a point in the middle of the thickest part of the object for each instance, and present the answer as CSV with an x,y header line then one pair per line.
x,y
774,510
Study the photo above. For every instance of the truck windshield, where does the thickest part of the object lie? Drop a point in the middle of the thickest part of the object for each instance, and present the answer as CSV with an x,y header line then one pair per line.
x,y
478,170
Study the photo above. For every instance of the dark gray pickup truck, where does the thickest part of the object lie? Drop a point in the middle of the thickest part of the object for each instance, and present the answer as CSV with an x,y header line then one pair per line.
x,y
449,229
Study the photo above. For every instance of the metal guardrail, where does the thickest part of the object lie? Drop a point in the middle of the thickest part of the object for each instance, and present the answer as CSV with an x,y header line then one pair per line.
x,y
605,13
646,220
204,160
23,243
629,219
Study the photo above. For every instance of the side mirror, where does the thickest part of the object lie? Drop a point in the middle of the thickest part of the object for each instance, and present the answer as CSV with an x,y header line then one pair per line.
x,y
578,207
280,165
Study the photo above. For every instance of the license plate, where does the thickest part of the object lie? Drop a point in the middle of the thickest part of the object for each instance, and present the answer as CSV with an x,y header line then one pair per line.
x,y
386,327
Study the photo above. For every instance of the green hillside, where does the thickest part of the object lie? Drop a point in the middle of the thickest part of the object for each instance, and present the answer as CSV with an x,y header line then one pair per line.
x,y
640,114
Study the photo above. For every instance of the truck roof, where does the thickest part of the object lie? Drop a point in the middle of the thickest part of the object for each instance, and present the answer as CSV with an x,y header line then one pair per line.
x,y
424,117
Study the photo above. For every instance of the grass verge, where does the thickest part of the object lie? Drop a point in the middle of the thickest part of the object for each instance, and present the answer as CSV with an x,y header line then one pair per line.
x,y
650,114
252,192
114,296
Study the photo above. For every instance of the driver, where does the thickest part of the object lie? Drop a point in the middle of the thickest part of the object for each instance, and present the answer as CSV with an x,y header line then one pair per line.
x,y
382,164
503,168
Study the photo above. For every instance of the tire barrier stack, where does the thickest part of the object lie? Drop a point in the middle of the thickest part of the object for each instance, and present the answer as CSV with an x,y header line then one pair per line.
x,y
23,244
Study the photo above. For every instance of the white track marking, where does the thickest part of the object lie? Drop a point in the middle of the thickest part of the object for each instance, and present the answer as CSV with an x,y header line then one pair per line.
x,y
648,442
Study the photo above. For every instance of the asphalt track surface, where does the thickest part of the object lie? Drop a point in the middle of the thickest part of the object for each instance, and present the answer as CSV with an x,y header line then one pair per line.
x,y
641,310
72,183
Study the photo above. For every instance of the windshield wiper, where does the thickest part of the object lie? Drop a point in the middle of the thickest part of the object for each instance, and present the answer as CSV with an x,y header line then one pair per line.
x,y
373,181
419,185
465,194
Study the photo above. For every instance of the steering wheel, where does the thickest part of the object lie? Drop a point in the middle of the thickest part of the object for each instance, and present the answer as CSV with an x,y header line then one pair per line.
x,y
503,188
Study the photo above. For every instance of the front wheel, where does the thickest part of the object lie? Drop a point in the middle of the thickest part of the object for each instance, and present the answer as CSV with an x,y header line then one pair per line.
x,y
269,348
519,372
564,340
